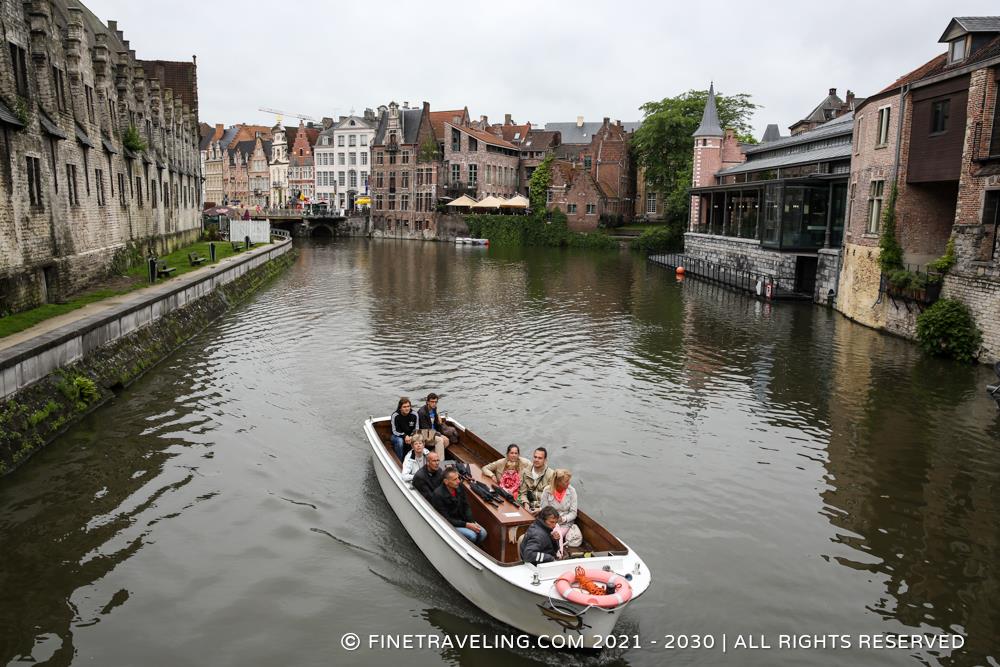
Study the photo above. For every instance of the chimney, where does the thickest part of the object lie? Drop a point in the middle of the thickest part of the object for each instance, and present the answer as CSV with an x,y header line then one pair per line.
x,y
406,105
485,121
579,121
833,91
606,121
850,99
112,25
507,120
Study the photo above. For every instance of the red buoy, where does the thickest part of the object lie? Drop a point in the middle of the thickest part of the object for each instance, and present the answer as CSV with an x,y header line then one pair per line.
x,y
680,271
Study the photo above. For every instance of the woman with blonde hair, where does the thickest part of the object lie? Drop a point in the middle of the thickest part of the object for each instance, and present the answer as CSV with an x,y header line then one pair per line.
x,y
562,497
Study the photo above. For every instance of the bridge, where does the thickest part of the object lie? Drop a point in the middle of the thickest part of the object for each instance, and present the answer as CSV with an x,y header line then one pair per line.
x,y
301,222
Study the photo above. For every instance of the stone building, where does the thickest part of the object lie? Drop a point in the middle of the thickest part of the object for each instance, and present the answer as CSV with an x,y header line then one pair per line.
x,y
74,200
775,208
536,146
478,163
259,173
933,133
575,192
278,167
404,181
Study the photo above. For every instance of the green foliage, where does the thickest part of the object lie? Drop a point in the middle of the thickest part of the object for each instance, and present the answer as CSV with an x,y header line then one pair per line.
x,y
890,258
947,329
945,262
428,151
538,184
664,146
41,415
86,389
668,238
21,110
132,140
547,229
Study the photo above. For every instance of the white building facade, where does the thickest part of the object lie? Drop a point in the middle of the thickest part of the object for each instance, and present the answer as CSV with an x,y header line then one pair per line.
x,y
325,169
351,158
279,167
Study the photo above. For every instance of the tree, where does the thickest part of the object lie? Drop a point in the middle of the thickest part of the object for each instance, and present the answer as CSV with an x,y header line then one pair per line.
x,y
538,184
665,148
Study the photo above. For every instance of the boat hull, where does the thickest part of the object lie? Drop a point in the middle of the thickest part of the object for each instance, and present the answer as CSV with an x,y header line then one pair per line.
x,y
504,592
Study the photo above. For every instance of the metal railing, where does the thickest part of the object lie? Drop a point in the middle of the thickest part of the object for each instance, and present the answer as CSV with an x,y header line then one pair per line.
x,y
758,284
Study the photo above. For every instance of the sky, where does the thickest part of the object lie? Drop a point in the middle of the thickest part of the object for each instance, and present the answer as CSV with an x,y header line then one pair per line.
x,y
541,61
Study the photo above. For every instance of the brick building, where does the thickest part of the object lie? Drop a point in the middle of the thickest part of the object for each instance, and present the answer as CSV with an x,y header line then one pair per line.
x,y
405,170
935,134
575,192
535,147
301,181
73,198
259,173
478,163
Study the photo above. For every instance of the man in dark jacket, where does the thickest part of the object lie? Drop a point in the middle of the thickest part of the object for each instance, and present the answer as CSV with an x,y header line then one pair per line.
x,y
428,417
428,479
541,542
450,501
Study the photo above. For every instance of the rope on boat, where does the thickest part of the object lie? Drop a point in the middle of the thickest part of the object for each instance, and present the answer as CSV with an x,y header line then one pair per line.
x,y
570,612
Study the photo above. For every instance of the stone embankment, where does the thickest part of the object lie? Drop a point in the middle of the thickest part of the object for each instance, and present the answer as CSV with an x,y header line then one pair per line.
x,y
51,380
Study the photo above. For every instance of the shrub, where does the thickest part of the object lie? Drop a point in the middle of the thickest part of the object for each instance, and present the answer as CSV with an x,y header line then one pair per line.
x,y
669,238
890,258
86,388
132,140
945,262
947,329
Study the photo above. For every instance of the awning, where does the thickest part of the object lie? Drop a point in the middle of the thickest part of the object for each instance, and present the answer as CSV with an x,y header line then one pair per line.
x,y
82,137
145,158
9,117
517,201
108,146
50,127
160,163
129,153
489,202
463,201
363,201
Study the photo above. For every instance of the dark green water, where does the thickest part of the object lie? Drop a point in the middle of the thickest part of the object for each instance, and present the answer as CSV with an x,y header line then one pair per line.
x,y
780,469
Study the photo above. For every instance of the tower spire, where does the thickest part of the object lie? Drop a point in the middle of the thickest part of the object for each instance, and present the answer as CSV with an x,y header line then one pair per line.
x,y
710,126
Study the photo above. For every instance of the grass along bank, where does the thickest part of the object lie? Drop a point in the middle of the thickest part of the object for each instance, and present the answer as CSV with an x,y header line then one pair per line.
x,y
133,279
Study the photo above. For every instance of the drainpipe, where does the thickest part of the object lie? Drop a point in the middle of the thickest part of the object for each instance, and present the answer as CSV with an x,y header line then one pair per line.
x,y
899,131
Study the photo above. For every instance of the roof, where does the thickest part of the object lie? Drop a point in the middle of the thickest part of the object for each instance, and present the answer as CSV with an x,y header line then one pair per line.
x,y
538,140
805,157
49,126
312,134
514,133
963,25
710,125
439,118
582,134
360,123
410,119
485,137
8,116
838,126
772,133
825,110
180,77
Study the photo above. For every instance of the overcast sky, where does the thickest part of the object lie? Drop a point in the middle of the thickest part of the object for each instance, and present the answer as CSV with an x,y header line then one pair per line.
x,y
543,60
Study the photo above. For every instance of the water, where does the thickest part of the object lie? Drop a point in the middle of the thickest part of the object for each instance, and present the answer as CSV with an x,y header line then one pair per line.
x,y
780,469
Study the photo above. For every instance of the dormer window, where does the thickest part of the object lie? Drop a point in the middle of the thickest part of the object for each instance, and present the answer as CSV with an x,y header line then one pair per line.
x,y
957,50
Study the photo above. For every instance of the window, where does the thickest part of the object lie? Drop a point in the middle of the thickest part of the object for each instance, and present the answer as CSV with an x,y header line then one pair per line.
x,y
406,157
378,157
586,162
340,140
341,159
380,179
473,145
353,180
392,181
858,135
473,174
364,158
404,202
378,202
352,140
364,140
121,189
88,93
72,188
353,158
591,209
152,193
571,208
991,225
456,140
392,158
364,179
19,65
882,138
875,206
138,190
405,184
456,173
651,203
392,202
99,184
35,181
939,116
166,194
548,196
956,50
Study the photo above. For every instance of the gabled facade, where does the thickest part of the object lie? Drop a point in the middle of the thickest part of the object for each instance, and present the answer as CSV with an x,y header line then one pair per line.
x,y
478,163
353,137
301,182
575,192
259,174
404,181
278,167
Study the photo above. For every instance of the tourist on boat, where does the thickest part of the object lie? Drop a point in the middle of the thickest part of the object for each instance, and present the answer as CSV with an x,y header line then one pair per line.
x,y
537,478
428,479
494,471
562,497
450,501
404,424
414,461
541,541
429,417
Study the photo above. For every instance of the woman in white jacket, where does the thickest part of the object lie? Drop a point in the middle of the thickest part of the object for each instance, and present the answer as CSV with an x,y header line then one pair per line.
x,y
562,497
415,459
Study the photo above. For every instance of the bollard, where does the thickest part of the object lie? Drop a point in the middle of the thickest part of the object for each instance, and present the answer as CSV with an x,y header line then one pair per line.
x,y
151,268
211,251
247,242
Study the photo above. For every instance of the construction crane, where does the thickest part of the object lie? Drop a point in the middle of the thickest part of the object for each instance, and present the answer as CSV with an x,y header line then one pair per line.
x,y
279,114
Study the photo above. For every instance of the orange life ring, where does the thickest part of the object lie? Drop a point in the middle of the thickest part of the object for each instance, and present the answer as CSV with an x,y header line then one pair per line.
x,y
564,586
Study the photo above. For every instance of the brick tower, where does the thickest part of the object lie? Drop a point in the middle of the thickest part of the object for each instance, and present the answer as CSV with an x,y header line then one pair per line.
x,y
708,140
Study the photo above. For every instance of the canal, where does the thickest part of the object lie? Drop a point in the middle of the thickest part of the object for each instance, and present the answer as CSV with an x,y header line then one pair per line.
x,y
780,469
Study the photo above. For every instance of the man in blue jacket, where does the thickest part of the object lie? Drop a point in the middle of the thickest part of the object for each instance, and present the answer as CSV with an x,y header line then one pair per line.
x,y
541,542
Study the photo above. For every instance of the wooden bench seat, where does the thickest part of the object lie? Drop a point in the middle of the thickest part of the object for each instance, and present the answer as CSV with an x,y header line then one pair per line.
x,y
162,269
196,259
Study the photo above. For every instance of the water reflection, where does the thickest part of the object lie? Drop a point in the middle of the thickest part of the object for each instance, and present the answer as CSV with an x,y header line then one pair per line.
x,y
780,469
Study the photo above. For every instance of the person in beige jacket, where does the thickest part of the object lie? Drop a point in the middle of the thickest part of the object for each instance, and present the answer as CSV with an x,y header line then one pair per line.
x,y
493,471
536,479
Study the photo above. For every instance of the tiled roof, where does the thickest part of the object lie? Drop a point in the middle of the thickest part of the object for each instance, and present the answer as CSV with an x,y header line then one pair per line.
x,y
574,134
439,118
973,24
486,137
806,157
8,116
538,140
932,66
514,133
411,126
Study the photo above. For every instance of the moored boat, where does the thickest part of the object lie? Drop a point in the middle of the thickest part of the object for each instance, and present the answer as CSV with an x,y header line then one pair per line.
x,y
466,240
492,576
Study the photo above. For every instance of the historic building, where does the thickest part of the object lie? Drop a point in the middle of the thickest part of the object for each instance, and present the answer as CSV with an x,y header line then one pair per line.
x,y
301,182
934,134
575,192
776,208
259,173
278,167
535,147
74,194
478,163
404,180
353,136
